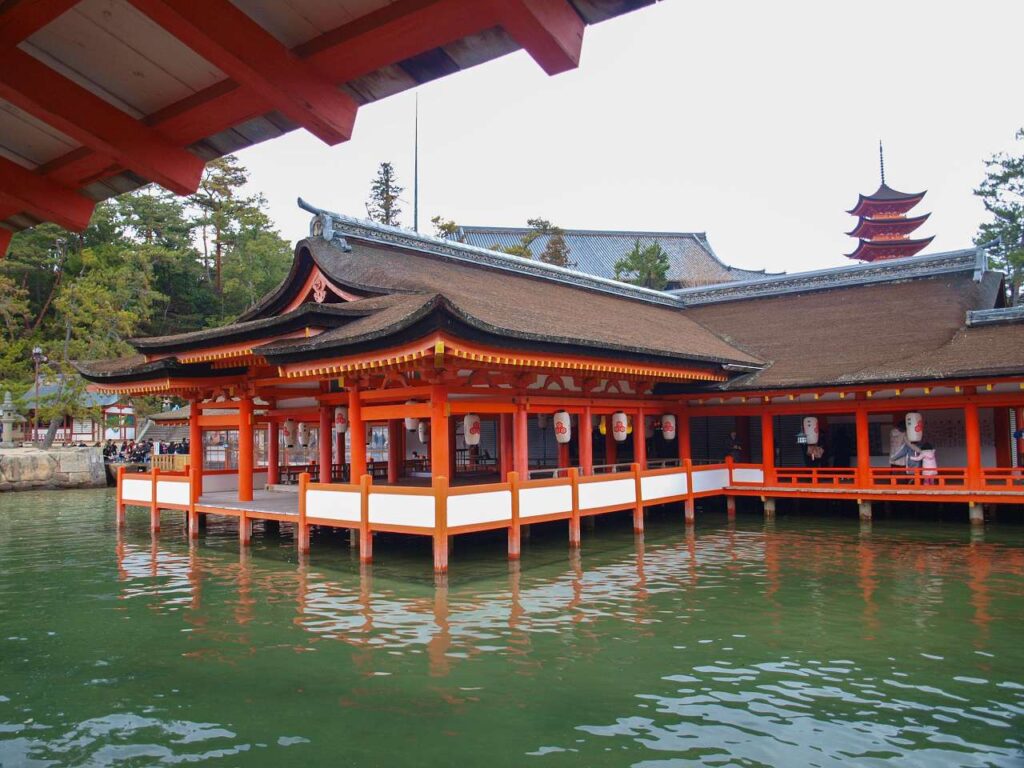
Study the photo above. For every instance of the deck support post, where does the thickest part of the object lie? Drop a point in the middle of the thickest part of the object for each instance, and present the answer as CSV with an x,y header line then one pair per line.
x,y
574,514
513,528
864,509
244,529
302,534
195,444
154,509
638,507
357,436
365,534
769,508
245,448
976,513
119,503
193,497
325,442
730,507
521,462
585,436
440,485
690,504
273,452
768,447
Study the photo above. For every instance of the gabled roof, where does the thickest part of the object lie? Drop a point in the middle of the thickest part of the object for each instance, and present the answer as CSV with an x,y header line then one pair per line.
x,y
692,261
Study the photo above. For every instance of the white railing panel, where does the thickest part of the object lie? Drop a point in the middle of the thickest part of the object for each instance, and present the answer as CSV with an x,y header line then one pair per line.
x,y
168,492
402,509
710,480
333,505
137,490
607,493
748,475
663,486
547,500
229,481
476,508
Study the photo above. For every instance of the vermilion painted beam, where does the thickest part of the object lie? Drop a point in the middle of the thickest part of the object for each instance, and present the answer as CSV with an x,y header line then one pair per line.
x,y
21,18
31,85
23,190
549,30
247,53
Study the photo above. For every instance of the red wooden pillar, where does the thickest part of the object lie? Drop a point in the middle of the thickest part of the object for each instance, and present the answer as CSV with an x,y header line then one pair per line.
x,y
357,436
452,448
563,454
505,449
325,443
586,442
195,445
396,449
972,434
768,447
521,463
640,439
863,449
273,452
683,435
245,449
610,449
1001,426
440,448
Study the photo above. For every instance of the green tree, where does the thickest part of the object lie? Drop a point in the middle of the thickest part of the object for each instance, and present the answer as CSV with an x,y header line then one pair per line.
x,y
445,228
556,251
218,200
1002,192
382,205
645,266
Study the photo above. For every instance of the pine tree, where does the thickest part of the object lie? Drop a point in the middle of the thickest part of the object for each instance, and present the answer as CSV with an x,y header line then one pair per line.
x,y
556,251
384,193
1002,192
644,266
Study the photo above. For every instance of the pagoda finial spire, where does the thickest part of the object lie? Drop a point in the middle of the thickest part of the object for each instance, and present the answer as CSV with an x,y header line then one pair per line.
x,y
881,160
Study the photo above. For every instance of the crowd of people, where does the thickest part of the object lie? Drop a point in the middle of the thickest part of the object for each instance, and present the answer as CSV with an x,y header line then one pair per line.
x,y
129,451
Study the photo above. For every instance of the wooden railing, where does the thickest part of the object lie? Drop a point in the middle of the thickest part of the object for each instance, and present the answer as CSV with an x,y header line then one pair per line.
x,y
827,476
917,477
1002,477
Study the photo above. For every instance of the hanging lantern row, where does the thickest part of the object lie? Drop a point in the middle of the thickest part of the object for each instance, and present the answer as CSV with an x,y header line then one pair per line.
x,y
423,431
471,429
668,426
303,435
811,433
563,427
620,426
289,433
411,424
341,419
915,427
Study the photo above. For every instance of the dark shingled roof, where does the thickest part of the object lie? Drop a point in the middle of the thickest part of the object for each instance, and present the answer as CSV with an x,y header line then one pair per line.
x,y
692,262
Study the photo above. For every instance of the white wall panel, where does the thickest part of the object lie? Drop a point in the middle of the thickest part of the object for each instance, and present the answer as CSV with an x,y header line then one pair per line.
x,y
168,492
748,475
607,493
137,490
544,501
476,508
333,505
663,486
400,509
710,480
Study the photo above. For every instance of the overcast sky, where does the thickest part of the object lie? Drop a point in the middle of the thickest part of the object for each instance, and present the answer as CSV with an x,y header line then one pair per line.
x,y
755,122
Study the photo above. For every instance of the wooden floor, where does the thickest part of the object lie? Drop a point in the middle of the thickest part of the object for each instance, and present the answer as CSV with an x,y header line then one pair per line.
x,y
273,502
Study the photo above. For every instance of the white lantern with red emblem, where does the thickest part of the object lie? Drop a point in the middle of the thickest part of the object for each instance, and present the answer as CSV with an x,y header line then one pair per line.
x,y
471,429
563,427
341,419
411,424
289,433
811,429
915,427
423,431
668,426
620,426
303,434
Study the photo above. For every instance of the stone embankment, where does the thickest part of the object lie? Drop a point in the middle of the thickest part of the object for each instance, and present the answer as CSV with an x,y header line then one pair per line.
x,y
26,469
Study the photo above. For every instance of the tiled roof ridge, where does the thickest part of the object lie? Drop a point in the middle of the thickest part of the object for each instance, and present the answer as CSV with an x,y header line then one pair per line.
x,y
700,236
968,259
333,227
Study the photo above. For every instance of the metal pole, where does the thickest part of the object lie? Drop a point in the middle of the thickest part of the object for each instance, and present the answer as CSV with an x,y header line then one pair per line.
x,y
416,168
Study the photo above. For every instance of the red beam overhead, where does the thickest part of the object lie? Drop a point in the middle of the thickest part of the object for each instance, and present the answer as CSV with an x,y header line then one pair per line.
x,y
232,41
24,190
549,30
22,18
40,91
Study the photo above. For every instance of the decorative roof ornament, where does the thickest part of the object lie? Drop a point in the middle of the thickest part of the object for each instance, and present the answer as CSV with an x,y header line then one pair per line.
x,y
322,226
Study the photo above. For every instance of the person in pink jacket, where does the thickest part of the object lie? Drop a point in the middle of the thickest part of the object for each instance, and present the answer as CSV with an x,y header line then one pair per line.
x,y
929,465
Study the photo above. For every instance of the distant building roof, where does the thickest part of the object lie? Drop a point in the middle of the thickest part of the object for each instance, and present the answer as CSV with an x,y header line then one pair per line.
x,y
49,389
692,262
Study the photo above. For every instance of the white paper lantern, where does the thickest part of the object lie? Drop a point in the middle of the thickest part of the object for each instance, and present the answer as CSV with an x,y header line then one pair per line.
x,y
289,433
341,419
620,426
915,427
668,426
471,429
411,425
811,429
423,431
303,436
563,427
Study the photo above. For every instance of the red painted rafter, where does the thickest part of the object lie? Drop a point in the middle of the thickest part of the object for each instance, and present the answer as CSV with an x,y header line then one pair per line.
x,y
31,85
19,19
24,190
231,40
549,30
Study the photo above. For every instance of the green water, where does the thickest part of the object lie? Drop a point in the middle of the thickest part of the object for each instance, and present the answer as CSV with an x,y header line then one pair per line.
x,y
810,642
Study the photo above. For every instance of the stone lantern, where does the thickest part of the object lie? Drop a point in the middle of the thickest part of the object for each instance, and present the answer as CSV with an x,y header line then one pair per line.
x,y
8,418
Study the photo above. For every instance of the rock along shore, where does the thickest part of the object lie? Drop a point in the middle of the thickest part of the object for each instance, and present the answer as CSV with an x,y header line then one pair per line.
x,y
26,469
